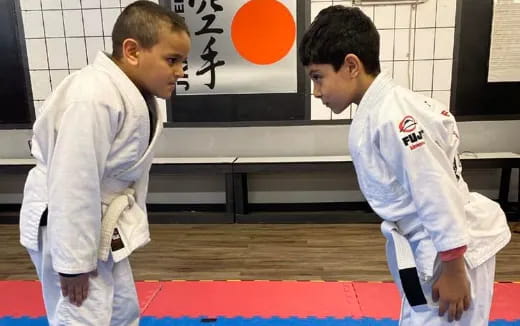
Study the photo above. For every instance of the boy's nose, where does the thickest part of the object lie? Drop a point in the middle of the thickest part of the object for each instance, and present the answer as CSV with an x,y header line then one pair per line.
x,y
178,72
316,92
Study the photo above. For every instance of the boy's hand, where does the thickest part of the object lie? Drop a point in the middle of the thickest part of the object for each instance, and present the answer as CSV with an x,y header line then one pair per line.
x,y
76,287
452,289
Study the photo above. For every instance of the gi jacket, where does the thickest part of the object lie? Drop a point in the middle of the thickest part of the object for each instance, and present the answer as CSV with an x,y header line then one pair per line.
x,y
91,142
404,148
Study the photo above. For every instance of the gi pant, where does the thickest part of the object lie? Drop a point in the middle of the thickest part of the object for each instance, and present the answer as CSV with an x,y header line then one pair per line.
x,y
415,267
112,297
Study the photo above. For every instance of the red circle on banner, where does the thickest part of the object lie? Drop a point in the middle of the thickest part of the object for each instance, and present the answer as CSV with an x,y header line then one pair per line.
x,y
263,31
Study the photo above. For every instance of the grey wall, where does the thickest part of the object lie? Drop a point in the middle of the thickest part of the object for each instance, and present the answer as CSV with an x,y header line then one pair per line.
x,y
483,136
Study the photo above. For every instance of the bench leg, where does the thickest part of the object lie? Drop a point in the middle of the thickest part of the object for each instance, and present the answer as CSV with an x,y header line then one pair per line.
x,y
230,197
505,181
241,193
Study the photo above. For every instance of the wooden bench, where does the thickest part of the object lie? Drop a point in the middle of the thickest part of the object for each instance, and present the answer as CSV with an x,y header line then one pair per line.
x,y
16,165
195,165
235,170
168,166
243,166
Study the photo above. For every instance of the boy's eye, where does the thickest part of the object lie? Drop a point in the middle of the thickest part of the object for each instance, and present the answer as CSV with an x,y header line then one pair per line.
x,y
171,61
316,78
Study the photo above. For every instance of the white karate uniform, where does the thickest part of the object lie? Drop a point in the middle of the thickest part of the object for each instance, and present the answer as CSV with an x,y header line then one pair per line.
x,y
91,143
404,148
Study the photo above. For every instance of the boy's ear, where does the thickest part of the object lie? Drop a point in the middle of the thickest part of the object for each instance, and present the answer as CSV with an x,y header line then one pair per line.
x,y
130,49
352,65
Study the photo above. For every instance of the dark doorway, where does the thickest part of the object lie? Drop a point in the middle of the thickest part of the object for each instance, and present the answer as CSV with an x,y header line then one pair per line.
x,y
15,92
472,95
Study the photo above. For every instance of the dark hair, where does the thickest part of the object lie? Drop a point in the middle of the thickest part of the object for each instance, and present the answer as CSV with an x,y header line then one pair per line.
x,y
338,31
142,21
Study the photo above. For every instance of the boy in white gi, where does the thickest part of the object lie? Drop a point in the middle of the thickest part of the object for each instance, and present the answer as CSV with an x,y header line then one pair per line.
x,y
441,239
83,210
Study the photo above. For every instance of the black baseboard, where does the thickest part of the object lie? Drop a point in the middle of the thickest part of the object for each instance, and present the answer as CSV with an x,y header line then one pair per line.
x,y
10,208
9,218
186,207
513,213
190,218
310,217
326,213
309,207
189,214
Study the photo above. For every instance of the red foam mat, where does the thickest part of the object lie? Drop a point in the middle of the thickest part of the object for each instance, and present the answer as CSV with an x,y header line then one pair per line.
x,y
21,298
378,300
255,298
146,291
506,302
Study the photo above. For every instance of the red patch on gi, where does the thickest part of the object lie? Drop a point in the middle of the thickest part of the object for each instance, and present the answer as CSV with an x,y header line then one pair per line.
x,y
408,124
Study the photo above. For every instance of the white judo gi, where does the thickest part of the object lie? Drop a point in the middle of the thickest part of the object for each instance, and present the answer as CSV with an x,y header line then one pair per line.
x,y
92,144
404,148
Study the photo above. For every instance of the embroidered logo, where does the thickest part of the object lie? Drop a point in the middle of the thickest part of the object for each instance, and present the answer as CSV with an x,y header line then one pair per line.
x,y
408,124
414,140
445,113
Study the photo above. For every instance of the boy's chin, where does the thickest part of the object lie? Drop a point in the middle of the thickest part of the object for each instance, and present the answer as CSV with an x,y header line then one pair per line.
x,y
164,95
338,110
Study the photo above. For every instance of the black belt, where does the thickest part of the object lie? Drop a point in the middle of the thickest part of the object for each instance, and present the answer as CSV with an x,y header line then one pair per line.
x,y
43,220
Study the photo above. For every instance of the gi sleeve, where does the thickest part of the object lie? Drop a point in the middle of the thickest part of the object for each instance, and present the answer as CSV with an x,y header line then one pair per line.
x,y
84,137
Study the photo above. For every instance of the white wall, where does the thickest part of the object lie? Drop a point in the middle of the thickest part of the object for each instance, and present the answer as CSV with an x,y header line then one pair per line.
x,y
416,47
63,36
